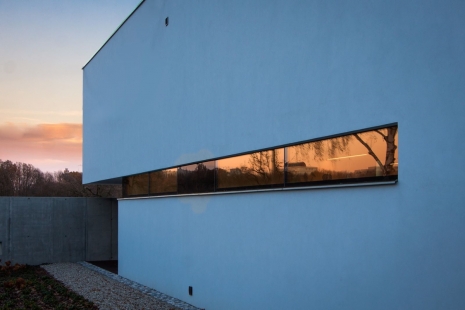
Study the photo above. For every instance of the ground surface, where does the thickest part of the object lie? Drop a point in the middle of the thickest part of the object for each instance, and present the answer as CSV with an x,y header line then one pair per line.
x,y
31,287
105,292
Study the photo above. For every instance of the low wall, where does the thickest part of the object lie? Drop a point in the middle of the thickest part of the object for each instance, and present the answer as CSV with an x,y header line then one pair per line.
x,y
37,230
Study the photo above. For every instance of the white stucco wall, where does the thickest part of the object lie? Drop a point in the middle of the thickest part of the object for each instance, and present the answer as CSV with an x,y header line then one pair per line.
x,y
385,247
229,77
225,78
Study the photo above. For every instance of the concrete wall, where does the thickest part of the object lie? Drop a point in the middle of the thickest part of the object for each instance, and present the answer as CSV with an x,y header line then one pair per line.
x,y
48,229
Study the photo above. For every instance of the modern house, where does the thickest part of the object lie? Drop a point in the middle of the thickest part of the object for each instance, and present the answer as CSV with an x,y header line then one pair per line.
x,y
286,154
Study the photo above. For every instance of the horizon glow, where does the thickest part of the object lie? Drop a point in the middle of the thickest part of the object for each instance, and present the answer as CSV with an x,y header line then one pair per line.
x,y
43,47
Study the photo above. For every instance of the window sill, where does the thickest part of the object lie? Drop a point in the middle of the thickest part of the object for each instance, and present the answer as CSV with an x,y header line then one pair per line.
x,y
267,190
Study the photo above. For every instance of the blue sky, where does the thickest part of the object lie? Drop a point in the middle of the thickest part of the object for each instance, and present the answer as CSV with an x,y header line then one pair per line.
x,y
43,46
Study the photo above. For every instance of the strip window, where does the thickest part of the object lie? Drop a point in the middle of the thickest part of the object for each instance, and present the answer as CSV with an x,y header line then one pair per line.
x,y
357,157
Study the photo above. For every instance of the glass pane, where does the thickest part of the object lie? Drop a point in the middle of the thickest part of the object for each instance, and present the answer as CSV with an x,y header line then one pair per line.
x,y
163,182
136,185
252,170
357,156
196,178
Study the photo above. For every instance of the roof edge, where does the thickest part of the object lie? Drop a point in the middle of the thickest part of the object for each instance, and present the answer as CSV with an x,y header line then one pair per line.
x,y
114,33
113,181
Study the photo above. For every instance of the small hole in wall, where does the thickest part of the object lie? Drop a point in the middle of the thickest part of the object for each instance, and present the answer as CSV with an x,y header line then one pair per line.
x,y
167,21
190,290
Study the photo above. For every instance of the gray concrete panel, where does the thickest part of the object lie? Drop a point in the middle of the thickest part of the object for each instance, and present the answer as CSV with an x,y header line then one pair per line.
x,y
37,230
4,227
114,229
31,230
68,225
99,229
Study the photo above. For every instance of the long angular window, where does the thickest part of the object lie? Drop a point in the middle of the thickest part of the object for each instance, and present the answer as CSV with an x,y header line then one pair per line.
x,y
357,157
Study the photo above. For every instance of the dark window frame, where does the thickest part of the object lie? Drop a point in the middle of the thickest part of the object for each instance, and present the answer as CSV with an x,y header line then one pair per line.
x,y
284,184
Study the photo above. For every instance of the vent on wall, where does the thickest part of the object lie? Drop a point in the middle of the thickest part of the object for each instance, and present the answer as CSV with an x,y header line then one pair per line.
x,y
190,290
167,21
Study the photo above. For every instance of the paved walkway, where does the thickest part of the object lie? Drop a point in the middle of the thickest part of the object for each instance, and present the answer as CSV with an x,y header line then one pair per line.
x,y
141,288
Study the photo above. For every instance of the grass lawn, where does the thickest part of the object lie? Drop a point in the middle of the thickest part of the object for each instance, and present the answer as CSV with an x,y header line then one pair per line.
x,y
31,287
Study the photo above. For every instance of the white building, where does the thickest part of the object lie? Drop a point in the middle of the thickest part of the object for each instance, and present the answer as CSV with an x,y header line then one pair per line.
x,y
213,98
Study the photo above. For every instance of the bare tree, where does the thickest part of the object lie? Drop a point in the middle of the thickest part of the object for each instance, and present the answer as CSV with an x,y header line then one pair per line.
x,y
389,138
7,170
21,179
265,167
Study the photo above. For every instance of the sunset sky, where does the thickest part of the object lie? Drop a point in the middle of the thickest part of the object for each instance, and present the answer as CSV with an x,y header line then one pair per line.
x,y
43,46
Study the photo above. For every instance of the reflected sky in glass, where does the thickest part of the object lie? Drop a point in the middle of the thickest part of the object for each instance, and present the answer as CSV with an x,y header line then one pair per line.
x,y
357,155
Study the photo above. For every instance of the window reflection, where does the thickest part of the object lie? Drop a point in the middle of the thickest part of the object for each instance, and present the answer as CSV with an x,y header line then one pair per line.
x,y
136,185
358,157
163,182
365,155
252,170
196,178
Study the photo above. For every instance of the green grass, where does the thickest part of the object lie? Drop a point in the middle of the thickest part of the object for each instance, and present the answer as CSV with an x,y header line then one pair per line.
x,y
31,287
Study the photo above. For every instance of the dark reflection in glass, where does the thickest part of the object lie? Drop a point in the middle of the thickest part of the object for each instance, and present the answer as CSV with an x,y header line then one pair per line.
x,y
260,169
163,182
361,156
358,157
196,178
136,185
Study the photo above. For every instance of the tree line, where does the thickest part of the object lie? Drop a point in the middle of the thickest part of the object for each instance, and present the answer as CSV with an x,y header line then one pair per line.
x,y
21,179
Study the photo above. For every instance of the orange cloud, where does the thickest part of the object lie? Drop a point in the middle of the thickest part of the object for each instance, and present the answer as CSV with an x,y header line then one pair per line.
x,y
41,132
50,132
49,147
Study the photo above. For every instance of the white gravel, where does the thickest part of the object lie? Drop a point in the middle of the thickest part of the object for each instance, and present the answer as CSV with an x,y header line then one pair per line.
x,y
106,293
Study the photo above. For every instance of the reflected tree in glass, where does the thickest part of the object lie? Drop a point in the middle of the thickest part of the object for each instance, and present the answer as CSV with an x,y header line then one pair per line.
x,y
164,181
265,168
355,156
389,135
136,185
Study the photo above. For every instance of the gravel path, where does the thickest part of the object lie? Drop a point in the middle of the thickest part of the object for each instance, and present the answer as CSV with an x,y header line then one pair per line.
x,y
105,292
